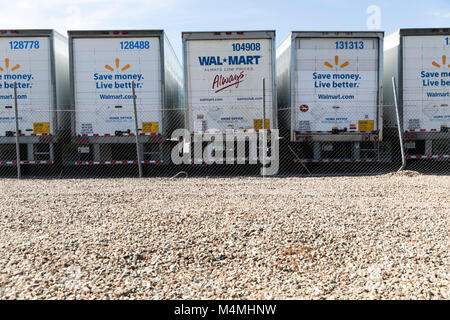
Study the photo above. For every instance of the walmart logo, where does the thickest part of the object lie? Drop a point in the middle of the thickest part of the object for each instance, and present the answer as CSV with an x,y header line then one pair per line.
x,y
17,66
127,66
444,62
336,63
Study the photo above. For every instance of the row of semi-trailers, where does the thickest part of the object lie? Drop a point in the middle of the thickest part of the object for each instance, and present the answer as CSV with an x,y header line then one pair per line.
x,y
322,90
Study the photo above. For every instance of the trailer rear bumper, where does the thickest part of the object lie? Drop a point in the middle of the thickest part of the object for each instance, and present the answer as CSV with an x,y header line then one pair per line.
x,y
341,137
14,163
29,139
424,157
426,135
337,160
85,163
130,138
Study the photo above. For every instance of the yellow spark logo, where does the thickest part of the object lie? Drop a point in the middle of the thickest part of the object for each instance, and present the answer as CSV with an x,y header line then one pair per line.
x,y
336,63
127,66
17,66
444,61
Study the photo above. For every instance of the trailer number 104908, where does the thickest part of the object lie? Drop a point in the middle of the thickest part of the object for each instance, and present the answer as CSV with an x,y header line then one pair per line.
x,y
248,46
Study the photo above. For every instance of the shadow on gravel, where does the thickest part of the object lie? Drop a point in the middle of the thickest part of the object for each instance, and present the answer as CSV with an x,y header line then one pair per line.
x,y
426,167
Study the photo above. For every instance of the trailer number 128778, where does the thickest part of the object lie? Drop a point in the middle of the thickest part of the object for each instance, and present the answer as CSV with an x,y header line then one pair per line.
x,y
20,45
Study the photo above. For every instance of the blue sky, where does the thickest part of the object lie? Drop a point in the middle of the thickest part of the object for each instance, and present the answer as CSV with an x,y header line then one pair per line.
x,y
175,16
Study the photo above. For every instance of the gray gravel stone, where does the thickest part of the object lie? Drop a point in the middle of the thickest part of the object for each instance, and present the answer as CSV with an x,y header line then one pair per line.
x,y
382,237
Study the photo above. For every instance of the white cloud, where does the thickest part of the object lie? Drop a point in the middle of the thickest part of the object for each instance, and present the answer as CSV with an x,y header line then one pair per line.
x,y
441,14
81,14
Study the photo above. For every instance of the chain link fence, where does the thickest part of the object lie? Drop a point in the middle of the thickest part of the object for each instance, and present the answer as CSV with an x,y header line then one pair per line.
x,y
108,142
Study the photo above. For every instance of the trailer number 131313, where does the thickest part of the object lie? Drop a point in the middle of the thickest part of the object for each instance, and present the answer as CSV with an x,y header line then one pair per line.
x,y
343,45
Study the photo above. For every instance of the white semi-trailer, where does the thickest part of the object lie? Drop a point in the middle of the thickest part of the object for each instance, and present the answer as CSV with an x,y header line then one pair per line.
x,y
223,80
419,59
223,77
103,65
330,95
37,61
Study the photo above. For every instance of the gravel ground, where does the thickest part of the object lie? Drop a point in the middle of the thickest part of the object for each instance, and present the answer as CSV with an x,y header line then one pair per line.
x,y
215,238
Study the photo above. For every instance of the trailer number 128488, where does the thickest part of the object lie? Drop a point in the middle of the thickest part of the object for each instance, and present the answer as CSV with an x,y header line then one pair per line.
x,y
130,45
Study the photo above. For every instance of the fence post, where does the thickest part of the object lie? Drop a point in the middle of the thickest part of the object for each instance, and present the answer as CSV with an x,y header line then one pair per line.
x,y
16,116
264,146
138,146
399,126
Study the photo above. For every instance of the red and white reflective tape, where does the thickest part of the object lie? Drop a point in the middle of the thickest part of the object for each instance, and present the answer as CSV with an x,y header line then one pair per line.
x,y
310,132
333,160
113,135
225,160
422,130
350,131
83,163
26,162
434,156
46,137
230,131
207,132
154,139
33,134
